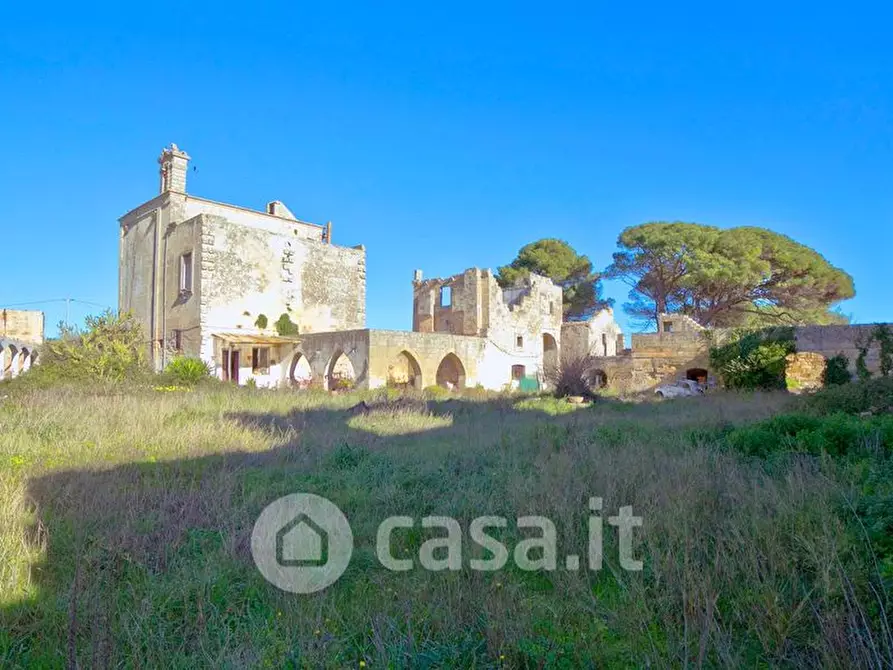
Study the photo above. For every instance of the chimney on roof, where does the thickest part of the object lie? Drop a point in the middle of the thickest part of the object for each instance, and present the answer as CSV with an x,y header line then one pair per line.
x,y
174,163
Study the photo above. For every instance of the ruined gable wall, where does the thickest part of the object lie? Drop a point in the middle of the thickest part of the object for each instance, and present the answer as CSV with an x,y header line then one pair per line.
x,y
597,336
22,325
464,313
534,311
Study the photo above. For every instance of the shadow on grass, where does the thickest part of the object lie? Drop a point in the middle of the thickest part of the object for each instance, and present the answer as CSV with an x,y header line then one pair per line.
x,y
150,561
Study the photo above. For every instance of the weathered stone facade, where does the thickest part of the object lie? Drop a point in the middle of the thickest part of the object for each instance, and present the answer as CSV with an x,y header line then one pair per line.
x,y
804,371
23,325
599,335
196,273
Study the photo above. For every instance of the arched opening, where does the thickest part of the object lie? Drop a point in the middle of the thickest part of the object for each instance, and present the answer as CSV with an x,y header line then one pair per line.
x,y
550,355
12,361
24,360
300,375
405,372
451,372
598,378
696,375
340,375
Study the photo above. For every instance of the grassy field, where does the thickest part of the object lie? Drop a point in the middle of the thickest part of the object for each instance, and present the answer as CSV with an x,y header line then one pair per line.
x,y
126,514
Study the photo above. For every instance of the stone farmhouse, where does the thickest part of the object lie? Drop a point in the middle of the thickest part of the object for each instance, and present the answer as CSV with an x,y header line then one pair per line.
x,y
264,296
21,333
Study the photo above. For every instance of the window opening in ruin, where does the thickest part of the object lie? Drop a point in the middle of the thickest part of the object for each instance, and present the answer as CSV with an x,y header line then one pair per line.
x,y
668,326
186,273
519,342
446,296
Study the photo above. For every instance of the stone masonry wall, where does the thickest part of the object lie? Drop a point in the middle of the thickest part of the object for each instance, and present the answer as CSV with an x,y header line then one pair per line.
x,y
22,325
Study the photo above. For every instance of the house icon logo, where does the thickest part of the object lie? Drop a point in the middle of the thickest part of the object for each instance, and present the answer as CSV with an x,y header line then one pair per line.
x,y
302,543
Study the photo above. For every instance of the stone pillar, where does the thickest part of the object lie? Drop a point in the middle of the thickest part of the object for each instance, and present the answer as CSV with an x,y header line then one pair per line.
x,y
174,164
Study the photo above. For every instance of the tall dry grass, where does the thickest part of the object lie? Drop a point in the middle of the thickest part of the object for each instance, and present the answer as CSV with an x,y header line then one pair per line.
x,y
126,514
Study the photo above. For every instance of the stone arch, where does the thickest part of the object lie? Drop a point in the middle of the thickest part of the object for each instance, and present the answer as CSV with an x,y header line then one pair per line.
x,y
697,375
300,374
24,360
340,372
550,355
451,372
405,372
598,378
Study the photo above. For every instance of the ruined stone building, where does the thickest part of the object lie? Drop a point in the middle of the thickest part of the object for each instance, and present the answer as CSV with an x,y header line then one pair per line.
x,y
262,295
231,285
680,349
21,333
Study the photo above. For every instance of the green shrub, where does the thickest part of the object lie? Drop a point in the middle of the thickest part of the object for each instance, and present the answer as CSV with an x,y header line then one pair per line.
x,y
837,371
754,359
261,321
285,326
436,392
187,370
111,347
872,395
837,434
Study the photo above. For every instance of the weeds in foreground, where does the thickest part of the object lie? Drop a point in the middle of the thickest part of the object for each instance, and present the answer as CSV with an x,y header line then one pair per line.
x,y
126,512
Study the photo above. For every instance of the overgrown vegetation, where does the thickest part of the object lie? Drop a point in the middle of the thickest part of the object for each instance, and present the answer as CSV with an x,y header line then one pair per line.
x,y
144,561
767,536
837,371
110,348
881,335
574,377
187,370
753,360
285,327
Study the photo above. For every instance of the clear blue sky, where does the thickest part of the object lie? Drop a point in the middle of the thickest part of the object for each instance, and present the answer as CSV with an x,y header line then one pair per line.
x,y
447,135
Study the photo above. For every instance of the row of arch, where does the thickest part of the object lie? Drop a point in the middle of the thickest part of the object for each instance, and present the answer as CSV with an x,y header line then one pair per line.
x,y
15,360
404,371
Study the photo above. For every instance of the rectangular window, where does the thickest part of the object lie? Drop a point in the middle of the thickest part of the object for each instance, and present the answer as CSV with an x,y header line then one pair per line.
x,y
668,326
186,273
519,342
446,296
517,371
260,360
178,339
